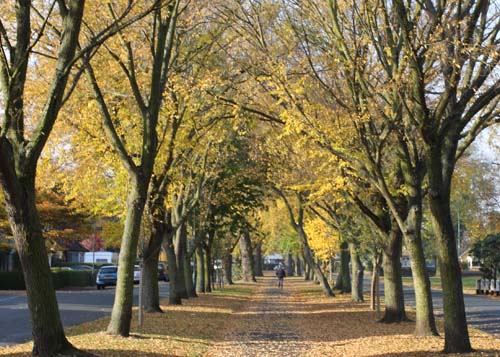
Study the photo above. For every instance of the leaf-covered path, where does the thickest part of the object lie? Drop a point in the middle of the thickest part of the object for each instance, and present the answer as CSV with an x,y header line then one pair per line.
x,y
266,326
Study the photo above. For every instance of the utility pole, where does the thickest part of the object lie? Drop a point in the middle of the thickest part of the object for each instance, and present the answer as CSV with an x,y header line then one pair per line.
x,y
93,246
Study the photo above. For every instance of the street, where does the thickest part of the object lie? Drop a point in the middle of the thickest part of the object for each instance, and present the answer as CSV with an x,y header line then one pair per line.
x,y
76,306
482,313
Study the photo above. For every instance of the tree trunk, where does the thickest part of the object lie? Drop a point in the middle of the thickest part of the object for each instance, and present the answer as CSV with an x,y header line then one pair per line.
x,y
48,333
258,259
247,258
310,260
289,265
375,283
150,258
307,271
455,323
298,266
188,278
393,284
149,277
121,314
425,322
209,267
343,281
180,245
357,274
174,298
227,262
200,269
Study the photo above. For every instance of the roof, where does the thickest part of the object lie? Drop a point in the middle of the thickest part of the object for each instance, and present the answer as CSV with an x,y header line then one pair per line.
x,y
273,256
68,245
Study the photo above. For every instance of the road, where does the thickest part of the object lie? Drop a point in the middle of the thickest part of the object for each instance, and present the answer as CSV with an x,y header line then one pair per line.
x,y
482,313
76,306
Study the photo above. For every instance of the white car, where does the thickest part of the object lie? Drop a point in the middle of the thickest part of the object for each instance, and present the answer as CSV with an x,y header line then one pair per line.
x,y
137,273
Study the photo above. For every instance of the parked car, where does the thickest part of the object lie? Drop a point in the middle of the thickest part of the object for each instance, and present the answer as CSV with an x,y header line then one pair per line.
x,y
162,272
81,267
106,276
137,273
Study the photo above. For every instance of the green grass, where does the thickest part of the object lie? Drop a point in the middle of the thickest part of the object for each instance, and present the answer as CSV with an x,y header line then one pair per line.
x,y
468,282
234,290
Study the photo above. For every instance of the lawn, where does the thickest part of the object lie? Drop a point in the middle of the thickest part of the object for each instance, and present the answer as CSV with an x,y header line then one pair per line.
x,y
468,282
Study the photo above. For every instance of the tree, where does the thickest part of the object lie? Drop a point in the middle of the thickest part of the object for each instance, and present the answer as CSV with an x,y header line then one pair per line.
x,y
115,118
453,95
247,257
19,152
487,251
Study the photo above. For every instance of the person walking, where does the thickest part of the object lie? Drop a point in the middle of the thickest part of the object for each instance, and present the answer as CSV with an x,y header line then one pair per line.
x,y
280,273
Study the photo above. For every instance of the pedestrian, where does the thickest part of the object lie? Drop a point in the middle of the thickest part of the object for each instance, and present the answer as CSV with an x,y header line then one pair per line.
x,y
280,273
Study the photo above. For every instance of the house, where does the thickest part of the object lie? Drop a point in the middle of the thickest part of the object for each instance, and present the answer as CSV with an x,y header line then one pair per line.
x,y
272,260
470,260
67,250
101,257
406,265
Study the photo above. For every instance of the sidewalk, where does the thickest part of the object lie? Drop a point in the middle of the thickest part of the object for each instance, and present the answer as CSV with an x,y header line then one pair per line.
x,y
266,326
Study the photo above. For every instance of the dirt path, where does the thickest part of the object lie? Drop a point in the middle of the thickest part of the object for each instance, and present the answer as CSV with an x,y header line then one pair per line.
x,y
265,326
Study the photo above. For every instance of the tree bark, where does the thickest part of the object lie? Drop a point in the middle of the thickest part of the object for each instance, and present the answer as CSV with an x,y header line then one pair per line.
x,y
289,265
307,271
180,245
425,322
174,298
258,259
188,278
357,274
200,269
310,260
150,258
247,257
375,283
121,315
149,279
209,268
48,332
455,323
298,266
393,284
343,281
227,262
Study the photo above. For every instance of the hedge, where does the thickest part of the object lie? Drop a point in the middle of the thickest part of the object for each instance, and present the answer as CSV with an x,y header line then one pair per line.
x,y
11,280
14,280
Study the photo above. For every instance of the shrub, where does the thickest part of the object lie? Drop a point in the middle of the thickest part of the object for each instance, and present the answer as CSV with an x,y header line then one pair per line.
x,y
12,280
64,278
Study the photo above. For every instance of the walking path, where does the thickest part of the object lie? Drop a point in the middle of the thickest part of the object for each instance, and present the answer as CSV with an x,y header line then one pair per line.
x,y
265,327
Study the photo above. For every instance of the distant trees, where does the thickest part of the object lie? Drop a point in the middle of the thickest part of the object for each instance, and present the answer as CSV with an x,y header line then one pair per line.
x,y
487,252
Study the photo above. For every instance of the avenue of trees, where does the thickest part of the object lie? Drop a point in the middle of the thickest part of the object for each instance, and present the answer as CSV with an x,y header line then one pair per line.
x,y
217,131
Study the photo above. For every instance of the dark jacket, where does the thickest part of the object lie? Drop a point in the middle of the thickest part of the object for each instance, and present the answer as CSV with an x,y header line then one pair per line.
x,y
280,273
